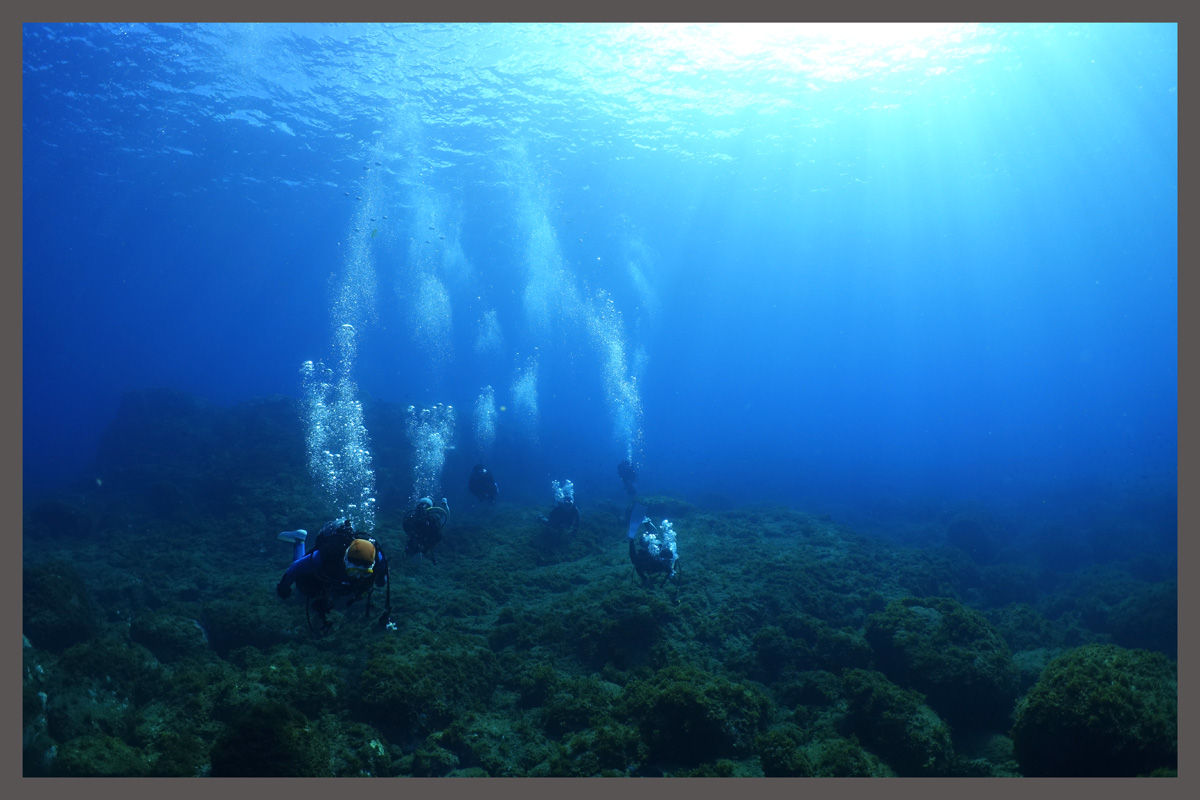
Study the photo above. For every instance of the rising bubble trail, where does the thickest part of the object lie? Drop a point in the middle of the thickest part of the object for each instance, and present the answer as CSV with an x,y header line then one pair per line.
x,y
339,454
431,433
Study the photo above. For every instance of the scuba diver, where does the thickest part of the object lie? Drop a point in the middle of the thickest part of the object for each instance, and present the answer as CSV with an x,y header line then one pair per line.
x,y
656,553
564,517
483,485
628,476
341,564
424,527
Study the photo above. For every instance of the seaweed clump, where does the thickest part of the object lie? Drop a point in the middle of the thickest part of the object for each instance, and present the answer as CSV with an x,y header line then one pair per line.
x,y
1099,711
57,608
689,716
404,692
271,740
781,752
897,724
951,654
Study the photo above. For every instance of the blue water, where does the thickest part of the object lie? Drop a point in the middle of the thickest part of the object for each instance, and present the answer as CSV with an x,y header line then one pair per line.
x,y
845,269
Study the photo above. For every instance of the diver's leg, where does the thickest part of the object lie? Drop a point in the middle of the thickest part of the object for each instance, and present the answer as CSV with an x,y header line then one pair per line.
x,y
297,538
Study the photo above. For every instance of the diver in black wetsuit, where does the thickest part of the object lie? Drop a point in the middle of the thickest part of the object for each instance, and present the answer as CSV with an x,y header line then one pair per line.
x,y
424,527
628,476
482,484
564,518
648,555
647,564
342,566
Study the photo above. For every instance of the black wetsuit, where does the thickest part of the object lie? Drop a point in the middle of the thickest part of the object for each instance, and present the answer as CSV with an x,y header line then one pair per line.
x,y
564,518
483,485
628,476
321,576
645,562
424,529
314,577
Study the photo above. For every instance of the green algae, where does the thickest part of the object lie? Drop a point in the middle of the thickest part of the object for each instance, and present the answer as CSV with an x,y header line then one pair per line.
x,y
1100,710
788,645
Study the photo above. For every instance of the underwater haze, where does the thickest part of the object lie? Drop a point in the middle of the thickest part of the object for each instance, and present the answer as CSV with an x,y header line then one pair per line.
x,y
882,316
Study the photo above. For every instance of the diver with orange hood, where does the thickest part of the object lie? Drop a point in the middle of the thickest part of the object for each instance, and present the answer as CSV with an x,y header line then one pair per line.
x,y
341,565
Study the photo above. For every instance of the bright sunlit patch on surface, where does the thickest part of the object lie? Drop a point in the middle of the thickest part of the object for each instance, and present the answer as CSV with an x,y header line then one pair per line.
x,y
826,51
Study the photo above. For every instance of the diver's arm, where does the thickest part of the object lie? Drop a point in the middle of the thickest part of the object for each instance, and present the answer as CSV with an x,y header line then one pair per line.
x,y
299,569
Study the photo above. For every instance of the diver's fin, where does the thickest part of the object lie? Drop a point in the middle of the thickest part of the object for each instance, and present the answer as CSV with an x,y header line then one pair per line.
x,y
635,519
298,535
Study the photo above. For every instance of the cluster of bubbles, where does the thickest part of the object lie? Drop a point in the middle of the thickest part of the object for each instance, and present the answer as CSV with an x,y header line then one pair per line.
x,y
431,319
563,491
663,540
431,433
435,270
355,302
551,300
554,307
620,382
636,265
485,421
490,341
338,453
525,397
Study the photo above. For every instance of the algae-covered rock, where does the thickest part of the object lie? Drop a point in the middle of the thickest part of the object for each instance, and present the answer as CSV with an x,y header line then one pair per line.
x,y
97,686
169,636
431,759
811,688
177,754
606,746
1099,710
123,666
845,758
400,690
691,716
782,753
231,624
99,756
1024,628
501,745
896,724
949,653
824,646
310,688
57,608
623,629
359,751
803,642
574,703
1030,664
271,740
1148,619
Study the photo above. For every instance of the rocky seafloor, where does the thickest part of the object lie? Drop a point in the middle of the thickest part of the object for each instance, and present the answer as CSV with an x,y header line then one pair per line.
x,y
789,645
